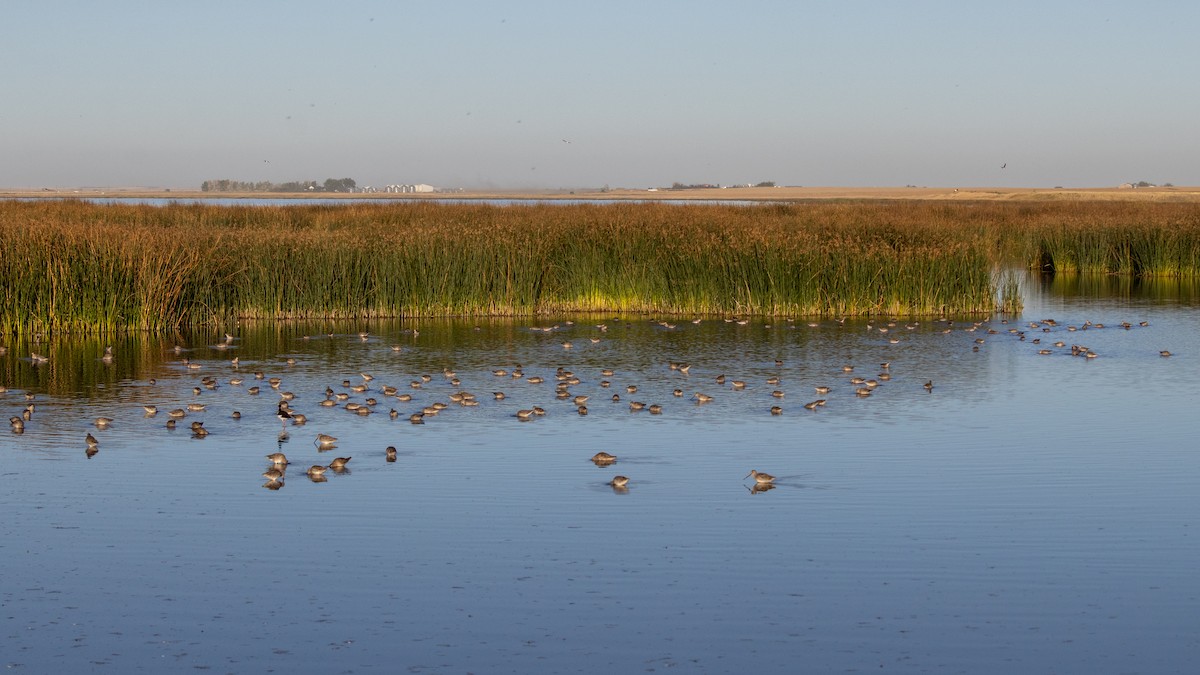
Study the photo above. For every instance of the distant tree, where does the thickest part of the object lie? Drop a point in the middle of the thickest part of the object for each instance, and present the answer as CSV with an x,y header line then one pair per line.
x,y
339,184
765,183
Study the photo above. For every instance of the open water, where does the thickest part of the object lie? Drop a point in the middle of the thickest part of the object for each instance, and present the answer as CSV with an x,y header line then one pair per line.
x,y
1032,513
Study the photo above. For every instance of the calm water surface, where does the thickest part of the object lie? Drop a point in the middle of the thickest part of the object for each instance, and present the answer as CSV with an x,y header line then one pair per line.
x,y
352,201
1032,513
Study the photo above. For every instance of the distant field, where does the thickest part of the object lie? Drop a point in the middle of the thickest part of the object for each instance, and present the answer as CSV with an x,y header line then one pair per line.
x,y
1173,194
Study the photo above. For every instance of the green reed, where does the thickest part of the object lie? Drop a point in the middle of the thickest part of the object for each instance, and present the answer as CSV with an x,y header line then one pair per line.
x,y
75,266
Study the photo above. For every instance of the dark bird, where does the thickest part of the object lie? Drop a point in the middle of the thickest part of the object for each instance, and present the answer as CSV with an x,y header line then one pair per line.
x,y
283,414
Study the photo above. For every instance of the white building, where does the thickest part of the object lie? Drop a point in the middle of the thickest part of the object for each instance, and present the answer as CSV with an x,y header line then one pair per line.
x,y
418,187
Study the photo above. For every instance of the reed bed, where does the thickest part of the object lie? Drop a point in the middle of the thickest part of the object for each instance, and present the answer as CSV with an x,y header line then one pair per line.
x,y
77,266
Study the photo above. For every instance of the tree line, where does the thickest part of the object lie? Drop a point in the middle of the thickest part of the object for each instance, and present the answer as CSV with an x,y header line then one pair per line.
x,y
330,185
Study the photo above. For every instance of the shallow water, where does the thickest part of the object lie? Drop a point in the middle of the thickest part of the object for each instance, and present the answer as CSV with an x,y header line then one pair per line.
x,y
1031,513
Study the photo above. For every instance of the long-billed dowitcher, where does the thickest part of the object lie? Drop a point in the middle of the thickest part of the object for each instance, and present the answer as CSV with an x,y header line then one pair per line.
x,y
619,481
760,477
390,453
338,463
603,458
277,458
316,471
324,440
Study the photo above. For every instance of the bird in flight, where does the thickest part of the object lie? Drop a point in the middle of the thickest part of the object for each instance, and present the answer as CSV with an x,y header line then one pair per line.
x,y
1004,165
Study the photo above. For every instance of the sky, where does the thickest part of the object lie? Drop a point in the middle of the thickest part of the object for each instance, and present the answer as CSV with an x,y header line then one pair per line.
x,y
564,94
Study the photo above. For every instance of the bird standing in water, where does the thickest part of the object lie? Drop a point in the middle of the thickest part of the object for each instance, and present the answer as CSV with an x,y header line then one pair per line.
x,y
283,414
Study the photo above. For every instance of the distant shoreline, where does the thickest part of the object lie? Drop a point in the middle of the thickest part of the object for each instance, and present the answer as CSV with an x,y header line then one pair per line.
x,y
769,194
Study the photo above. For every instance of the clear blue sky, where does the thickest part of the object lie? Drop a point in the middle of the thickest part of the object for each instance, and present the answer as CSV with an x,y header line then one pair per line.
x,y
572,94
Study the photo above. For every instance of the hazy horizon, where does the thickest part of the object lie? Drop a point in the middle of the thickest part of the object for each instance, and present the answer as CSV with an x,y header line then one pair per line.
x,y
542,96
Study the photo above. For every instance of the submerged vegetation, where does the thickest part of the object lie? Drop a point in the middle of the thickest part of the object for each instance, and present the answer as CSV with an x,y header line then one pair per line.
x,y
72,265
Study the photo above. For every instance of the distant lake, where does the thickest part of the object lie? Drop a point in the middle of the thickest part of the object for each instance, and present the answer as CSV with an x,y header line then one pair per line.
x,y
347,201
1030,513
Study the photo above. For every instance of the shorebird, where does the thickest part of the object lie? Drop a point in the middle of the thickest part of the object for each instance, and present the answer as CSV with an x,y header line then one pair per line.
x,y
277,458
619,481
760,477
603,459
325,440
390,453
283,414
273,475
91,441
338,463
103,422
316,471
702,398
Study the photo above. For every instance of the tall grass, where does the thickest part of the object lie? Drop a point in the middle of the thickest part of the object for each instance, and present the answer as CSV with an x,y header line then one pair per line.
x,y
76,266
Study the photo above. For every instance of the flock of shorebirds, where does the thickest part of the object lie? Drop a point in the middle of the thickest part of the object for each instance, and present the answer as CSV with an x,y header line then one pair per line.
x,y
368,392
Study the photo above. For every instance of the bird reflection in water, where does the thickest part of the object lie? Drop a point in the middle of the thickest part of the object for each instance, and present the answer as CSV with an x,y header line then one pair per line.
x,y
760,487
